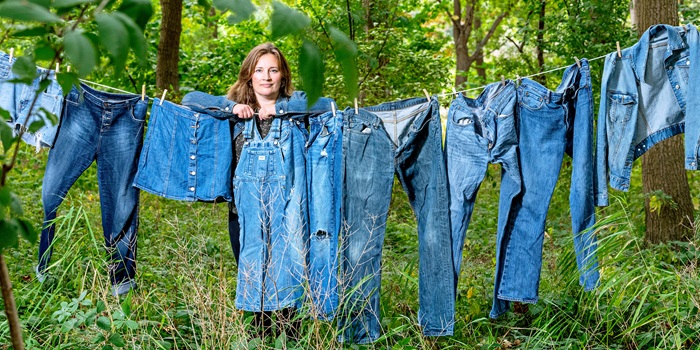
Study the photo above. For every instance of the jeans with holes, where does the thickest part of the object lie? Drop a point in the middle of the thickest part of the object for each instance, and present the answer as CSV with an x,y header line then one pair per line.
x,y
106,128
403,138
550,125
324,155
270,194
17,98
481,131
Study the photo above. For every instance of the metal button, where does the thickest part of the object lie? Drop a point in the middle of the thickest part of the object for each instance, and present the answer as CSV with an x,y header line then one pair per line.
x,y
669,67
281,111
226,109
687,62
193,157
193,173
192,189
193,141
692,164
678,86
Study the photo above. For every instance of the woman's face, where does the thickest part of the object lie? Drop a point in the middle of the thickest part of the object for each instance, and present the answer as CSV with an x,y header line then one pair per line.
x,y
267,77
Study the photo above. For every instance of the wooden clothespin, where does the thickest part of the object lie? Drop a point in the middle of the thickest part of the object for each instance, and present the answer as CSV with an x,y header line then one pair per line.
x,y
356,109
503,81
143,92
578,63
12,54
427,95
518,78
619,52
163,97
454,91
333,108
56,68
68,69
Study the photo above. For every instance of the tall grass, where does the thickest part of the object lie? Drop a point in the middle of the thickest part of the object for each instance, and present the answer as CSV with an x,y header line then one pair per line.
x,y
648,296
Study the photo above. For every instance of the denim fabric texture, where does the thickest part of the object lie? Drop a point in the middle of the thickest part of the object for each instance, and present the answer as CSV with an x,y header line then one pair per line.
x,y
17,99
186,155
550,124
324,156
107,128
481,131
270,194
403,138
647,95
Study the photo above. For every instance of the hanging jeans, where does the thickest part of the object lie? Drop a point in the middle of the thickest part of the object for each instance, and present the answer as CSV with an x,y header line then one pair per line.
x,y
481,131
107,128
402,137
550,124
270,194
324,157
186,155
17,98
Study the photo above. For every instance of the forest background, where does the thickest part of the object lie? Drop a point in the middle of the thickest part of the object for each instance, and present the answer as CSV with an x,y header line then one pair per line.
x,y
377,50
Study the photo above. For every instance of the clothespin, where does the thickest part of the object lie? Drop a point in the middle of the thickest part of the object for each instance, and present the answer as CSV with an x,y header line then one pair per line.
x,y
143,92
12,53
518,78
56,67
68,69
503,80
619,52
356,109
454,91
163,97
333,108
427,95
578,63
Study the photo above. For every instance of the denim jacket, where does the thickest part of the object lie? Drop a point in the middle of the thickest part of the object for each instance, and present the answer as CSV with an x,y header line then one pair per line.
x,y
647,95
221,107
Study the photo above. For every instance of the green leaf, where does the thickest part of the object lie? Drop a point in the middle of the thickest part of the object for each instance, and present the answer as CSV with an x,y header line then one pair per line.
x,y
8,234
100,306
24,68
136,39
114,37
67,81
27,11
5,196
16,205
117,340
80,52
311,70
104,323
44,53
132,325
43,3
68,325
27,230
286,20
36,31
6,134
345,53
70,3
140,11
242,9
107,347
98,338
5,115
126,306
36,125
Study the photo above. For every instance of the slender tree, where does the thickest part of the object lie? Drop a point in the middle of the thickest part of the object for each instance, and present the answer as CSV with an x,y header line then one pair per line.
x,y
664,178
167,73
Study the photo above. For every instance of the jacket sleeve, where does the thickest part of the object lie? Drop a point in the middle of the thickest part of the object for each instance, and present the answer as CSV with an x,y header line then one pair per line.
x,y
692,113
217,106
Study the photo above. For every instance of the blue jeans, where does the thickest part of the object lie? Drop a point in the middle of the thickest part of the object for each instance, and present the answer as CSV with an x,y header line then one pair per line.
x,y
324,157
402,137
481,131
270,194
186,155
550,124
17,98
107,128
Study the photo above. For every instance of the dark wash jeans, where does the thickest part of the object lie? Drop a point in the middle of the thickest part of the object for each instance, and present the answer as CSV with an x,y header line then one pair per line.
x,y
402,137
481,131
324,156
107,128
550,125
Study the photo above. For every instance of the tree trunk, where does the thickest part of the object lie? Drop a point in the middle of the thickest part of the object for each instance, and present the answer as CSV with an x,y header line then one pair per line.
x,y
542,79
663,165
10,307
167,72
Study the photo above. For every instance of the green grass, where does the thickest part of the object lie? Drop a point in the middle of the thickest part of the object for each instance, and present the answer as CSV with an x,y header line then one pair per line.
x,y
648,298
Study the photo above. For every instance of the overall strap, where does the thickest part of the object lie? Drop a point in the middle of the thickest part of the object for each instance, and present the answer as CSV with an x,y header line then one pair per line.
x,y
276,128
249,128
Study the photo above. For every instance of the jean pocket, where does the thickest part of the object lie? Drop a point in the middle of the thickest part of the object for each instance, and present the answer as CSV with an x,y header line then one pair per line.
x,y
621,106
682,67
138,111
531,101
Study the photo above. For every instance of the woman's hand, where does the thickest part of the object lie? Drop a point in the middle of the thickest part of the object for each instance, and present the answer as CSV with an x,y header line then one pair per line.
x,y
243,111
267,112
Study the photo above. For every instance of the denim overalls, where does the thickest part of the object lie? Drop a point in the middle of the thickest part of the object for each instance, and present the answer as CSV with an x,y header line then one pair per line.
x,y
270,194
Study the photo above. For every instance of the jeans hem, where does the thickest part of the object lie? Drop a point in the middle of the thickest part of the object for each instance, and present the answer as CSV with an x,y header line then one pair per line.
x,y
520,300
123,287
367,340
438,332
40,276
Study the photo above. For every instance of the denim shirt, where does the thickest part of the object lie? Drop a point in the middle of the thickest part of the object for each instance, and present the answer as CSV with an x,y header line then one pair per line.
x,y
221,107
647,95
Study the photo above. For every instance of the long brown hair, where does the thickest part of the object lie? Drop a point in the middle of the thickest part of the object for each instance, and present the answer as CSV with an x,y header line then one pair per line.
x,y
242,90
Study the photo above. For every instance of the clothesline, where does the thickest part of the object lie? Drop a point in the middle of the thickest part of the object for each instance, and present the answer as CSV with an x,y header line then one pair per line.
x,y
439,95
527,76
